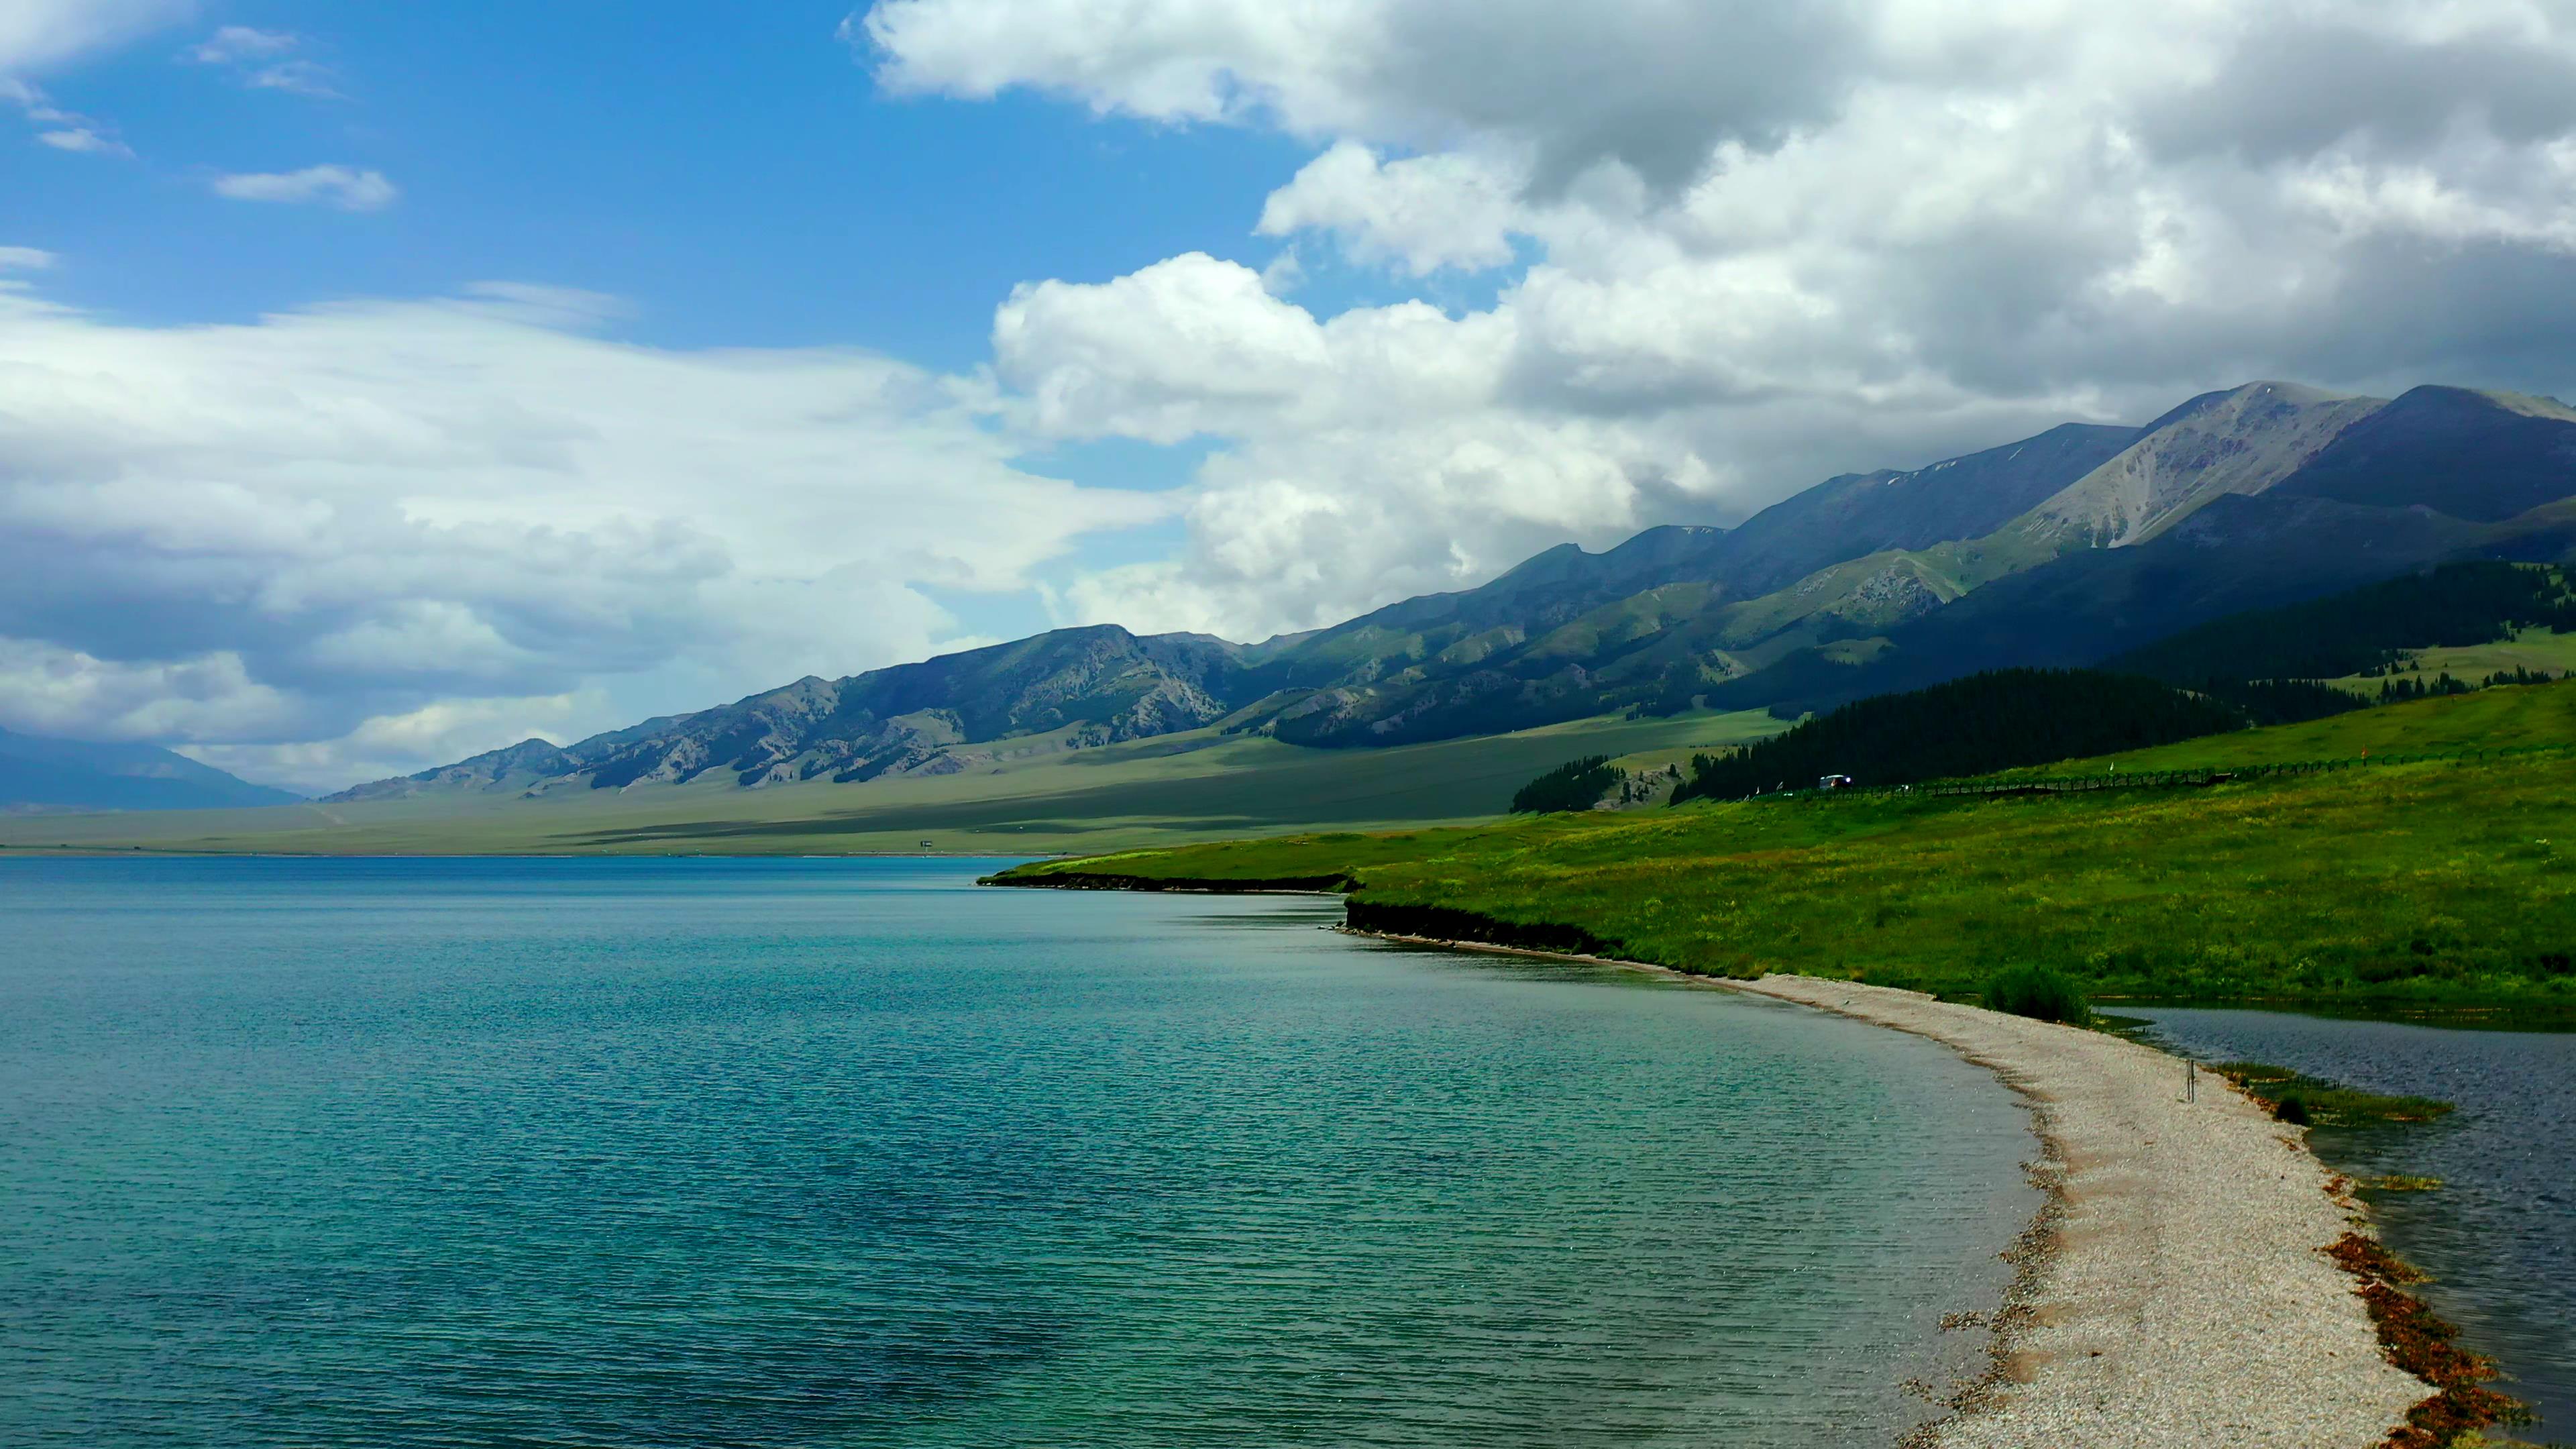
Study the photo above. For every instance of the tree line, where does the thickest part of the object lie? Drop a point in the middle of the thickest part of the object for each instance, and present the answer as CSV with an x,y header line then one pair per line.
x,y
1574,785
1998,720
2364,631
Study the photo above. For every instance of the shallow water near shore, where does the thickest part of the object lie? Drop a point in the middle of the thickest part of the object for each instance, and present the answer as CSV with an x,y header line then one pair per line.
x,y
2500,1236
853,1152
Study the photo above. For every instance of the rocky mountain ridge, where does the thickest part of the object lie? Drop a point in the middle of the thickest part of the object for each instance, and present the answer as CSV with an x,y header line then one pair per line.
x,y
2062,548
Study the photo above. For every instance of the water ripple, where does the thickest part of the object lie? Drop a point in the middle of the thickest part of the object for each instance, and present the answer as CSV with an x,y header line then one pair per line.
x,y
786,1154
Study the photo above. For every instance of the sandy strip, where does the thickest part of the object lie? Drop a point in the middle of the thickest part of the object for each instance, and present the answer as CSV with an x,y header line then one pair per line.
x,y
2178,1298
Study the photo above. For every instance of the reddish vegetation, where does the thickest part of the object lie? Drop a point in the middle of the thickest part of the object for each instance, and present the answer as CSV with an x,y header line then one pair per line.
x,y
2422,1344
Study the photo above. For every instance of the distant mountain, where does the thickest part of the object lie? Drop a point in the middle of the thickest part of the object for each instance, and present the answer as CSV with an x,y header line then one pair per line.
x,y
1868,513
40,774
2475,455
2059,550
1076,687
2349,513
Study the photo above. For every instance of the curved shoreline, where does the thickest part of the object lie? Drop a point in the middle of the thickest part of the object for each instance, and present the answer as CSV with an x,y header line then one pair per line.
x,y
2173,1290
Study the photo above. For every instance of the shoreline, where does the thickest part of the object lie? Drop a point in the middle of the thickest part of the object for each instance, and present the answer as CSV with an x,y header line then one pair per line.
x,y
2174,1288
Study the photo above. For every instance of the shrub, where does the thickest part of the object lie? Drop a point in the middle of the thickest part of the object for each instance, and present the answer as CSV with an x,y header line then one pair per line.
x,y
2292,1108
2038,992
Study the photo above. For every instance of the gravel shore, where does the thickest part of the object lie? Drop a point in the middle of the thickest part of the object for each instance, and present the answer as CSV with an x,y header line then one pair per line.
x,y
2173,1294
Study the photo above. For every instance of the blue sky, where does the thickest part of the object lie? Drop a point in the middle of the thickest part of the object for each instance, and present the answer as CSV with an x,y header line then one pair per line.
x,y
384,383
735,175
760,191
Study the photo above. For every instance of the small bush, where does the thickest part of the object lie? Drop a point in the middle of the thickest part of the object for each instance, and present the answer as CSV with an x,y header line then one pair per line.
x,y
2292,1108
2040,993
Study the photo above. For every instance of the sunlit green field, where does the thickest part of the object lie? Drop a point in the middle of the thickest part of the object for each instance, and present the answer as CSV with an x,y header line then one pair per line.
x,y
1196,786
2435,882
2507,718
2538,650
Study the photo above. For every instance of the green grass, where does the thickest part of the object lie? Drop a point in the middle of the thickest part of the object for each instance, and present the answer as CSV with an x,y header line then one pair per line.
x,y
2325,1103
1197,786
2509,717
2538,650
2043,993
2435,883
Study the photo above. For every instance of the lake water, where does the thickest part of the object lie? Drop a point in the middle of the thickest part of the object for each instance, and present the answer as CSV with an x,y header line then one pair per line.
x,y
2500,1235
781,1153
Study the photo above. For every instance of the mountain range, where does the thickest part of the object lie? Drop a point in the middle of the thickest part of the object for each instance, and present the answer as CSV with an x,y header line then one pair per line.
x,y
2065,548
42,775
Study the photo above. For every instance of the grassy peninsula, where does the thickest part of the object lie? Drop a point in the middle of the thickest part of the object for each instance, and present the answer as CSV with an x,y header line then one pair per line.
x,y
2440,874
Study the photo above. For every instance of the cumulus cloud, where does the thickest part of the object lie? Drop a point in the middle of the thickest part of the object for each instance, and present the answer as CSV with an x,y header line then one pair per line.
x,y
1745,247
289,537
1420,214
1653,84
347,188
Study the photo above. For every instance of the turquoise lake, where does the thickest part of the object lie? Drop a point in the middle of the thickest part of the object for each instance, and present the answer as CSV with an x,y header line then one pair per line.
x,y
800,1153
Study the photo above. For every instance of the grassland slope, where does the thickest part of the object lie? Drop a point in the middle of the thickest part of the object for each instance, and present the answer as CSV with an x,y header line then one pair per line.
x,y
1196,785
2440,882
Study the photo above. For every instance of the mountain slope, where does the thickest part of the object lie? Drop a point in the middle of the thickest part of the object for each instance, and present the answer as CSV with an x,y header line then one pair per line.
x,y
37,773
2367,630
2243,440
2059,550
1856,514
2476,455
1089,686
2099,569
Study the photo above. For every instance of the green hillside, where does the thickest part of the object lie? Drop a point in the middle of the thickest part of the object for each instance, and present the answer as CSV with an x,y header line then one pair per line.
x,y
2367,631
2438,882
1198,785
2494,720
1969,726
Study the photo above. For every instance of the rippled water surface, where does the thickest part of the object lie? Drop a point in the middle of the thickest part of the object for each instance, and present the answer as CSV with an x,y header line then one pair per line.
x,y
2500,1236
855,1153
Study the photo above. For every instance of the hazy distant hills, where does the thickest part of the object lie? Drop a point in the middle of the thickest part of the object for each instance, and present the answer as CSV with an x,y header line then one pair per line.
x,y
2064,548
38,774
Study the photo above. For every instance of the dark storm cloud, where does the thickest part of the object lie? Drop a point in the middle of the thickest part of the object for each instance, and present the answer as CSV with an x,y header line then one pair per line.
x,y
2298,85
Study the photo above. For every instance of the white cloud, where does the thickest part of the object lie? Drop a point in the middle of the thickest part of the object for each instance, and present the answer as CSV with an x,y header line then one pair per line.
x,y
398,744
25,259
1763,244
296,77
234,44
345,187
1653,83
266,536
264,60
1422,213
69,132
46,689
83,139
38,34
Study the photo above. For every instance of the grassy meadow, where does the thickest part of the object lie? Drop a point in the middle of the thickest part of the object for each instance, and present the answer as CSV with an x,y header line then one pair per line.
x,y
2535,649
2438,883
2494,720
1201,785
